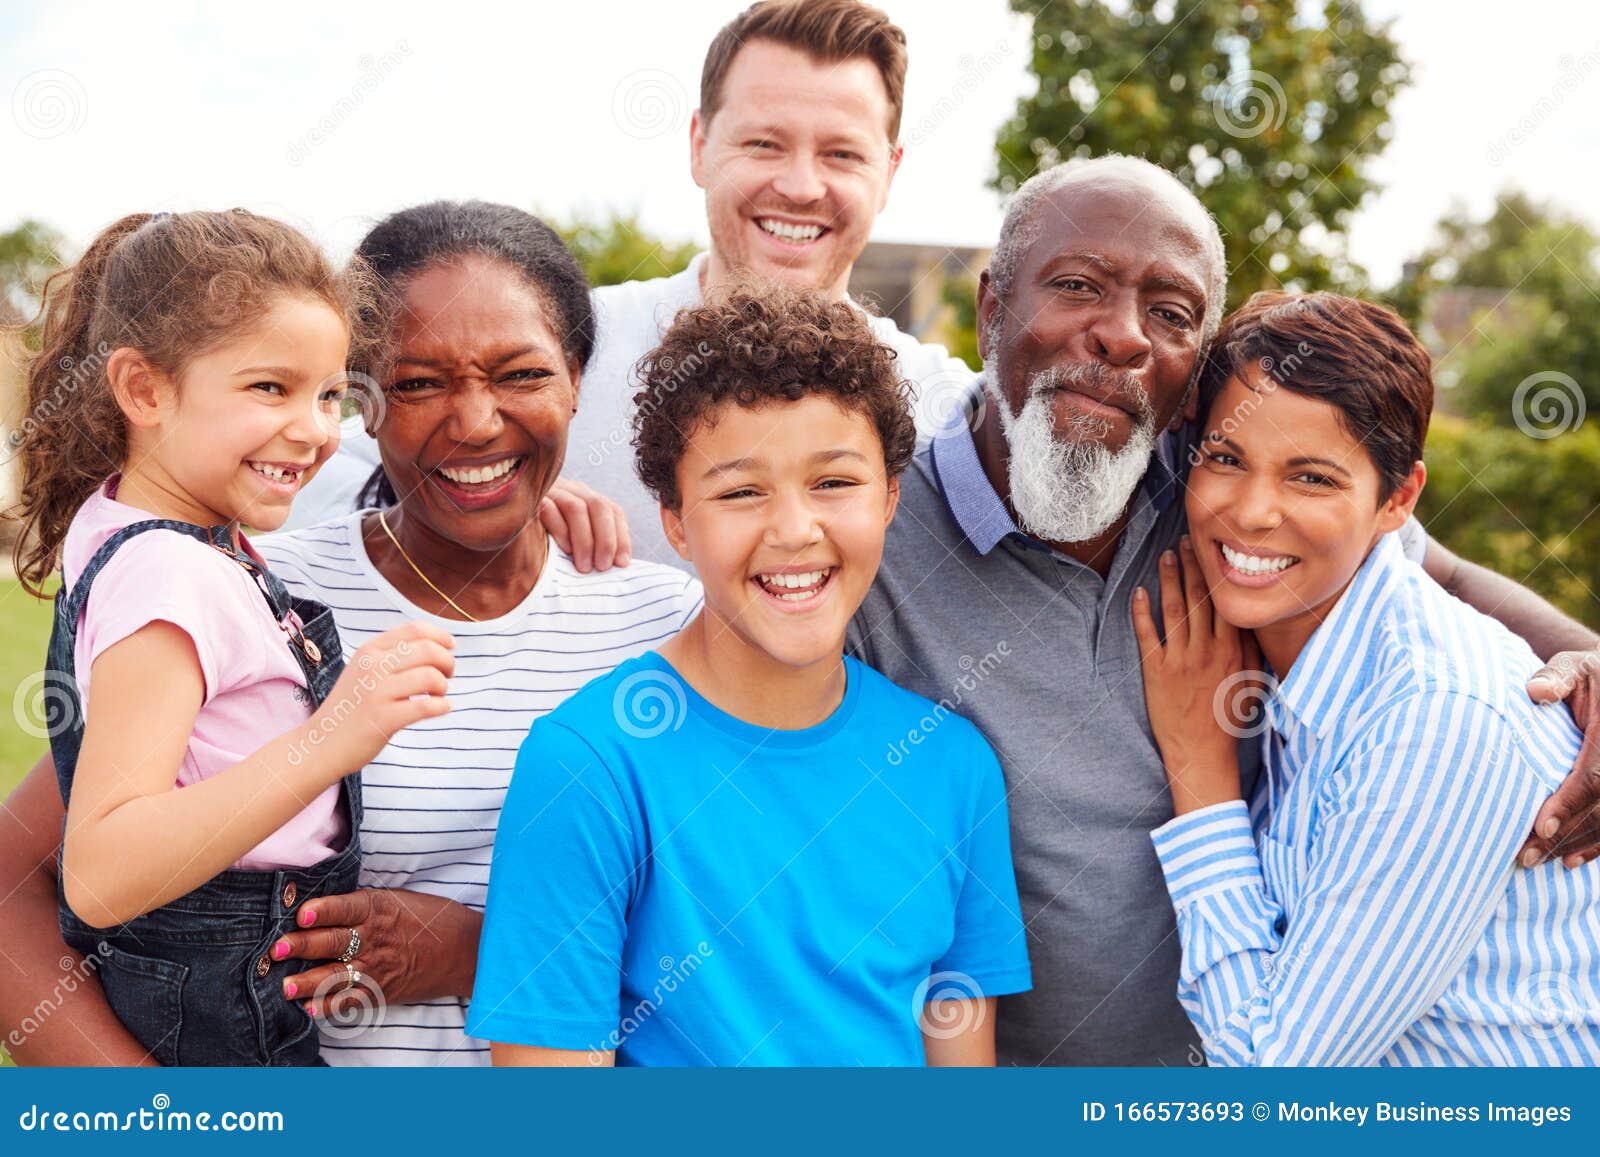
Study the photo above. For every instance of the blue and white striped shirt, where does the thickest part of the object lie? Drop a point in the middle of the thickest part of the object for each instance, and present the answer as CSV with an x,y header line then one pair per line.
x,y
1366,908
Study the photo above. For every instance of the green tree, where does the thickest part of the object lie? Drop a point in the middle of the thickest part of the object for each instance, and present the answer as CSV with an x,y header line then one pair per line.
x,y
1268,118
959,294
29,253
614,247
1521,506
1511,297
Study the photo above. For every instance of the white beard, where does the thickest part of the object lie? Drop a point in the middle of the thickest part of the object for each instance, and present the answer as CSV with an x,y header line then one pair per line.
x,y
1067,491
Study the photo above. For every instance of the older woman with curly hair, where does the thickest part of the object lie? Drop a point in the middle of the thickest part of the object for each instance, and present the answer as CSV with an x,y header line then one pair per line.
x,y
708,806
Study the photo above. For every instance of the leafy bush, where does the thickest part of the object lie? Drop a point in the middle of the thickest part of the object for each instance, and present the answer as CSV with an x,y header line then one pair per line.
x,y
1526,507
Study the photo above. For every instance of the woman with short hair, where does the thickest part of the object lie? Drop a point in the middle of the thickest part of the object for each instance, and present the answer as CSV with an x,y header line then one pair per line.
x,y
1360,905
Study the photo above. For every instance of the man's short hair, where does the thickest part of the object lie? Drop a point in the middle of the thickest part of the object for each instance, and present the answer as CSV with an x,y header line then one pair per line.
x,y
754,346
829,30
1355,355
1022,225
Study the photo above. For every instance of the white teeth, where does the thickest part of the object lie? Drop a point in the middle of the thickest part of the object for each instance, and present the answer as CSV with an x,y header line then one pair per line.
x,y
1256,564
801,585
790,232
276,473
477,474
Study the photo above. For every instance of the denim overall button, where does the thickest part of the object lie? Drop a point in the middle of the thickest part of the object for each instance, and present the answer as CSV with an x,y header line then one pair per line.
x,y
289,894
264,965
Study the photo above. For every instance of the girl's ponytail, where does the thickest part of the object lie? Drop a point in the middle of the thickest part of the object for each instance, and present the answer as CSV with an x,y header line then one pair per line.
x,y
73,435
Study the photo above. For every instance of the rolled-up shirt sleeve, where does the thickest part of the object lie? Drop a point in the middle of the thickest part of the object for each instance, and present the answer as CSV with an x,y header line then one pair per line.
x,y
1409,857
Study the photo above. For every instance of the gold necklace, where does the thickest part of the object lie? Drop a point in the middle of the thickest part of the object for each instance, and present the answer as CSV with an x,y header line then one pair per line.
x,y
384,522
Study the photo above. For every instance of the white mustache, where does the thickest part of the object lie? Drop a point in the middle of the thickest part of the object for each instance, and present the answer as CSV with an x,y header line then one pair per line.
x,y
1120,385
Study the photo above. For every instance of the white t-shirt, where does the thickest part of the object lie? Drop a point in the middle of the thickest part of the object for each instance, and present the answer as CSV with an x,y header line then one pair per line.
x,y
630,320
432,797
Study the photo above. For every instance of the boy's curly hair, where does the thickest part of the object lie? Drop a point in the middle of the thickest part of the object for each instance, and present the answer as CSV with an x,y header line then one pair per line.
x,y
758,344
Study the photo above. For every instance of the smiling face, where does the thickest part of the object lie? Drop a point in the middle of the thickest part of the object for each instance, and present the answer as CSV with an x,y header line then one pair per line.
x,y
479,398
1284,504
1093,348
783,511
251,421
796,164
1115,282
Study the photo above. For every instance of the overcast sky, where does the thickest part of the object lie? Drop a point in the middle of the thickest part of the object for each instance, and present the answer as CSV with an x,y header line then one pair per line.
x,y
332,113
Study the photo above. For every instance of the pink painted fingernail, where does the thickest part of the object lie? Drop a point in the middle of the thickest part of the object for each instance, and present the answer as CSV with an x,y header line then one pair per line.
x,y
311,1011
280,950
307,917
289,990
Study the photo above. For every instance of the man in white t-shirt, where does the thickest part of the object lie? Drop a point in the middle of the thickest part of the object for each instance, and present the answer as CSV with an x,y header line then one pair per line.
x,y
795,143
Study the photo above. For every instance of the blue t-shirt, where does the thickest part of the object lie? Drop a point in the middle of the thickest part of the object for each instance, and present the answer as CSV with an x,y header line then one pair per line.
x,y
688,889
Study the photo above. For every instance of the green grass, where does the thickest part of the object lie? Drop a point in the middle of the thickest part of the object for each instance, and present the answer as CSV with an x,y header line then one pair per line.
x,y
24,632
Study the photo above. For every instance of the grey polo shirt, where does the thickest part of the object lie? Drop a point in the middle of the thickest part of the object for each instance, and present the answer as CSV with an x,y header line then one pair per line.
x,y
1039,652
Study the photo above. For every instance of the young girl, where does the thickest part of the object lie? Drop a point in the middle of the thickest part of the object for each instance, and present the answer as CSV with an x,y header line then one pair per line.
x,y
206,733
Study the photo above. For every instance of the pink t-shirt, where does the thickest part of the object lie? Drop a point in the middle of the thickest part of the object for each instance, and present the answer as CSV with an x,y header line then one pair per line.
x,y
255,690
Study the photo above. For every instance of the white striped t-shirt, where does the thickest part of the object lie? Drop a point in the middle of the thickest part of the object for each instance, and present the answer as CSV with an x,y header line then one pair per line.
x,y
433,795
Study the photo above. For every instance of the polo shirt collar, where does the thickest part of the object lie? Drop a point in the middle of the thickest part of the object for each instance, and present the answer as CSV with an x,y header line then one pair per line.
x,y
1327,676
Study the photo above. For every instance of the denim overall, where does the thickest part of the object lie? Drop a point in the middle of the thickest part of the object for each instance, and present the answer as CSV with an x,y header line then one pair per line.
x,y
194,980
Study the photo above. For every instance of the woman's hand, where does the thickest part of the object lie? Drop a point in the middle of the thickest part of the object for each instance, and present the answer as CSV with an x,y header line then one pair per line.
x,y
413,947
587,525
1190,684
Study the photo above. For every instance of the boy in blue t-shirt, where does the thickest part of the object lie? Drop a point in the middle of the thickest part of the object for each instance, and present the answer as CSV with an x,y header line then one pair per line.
x,y
746,849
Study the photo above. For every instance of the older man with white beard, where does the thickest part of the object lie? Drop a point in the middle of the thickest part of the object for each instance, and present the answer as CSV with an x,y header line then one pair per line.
x,y
1009,570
